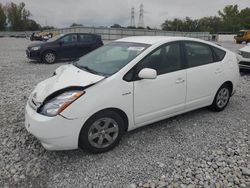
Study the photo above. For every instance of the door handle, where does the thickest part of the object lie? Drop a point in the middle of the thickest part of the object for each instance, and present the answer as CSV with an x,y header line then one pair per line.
x,y
179,81
217,71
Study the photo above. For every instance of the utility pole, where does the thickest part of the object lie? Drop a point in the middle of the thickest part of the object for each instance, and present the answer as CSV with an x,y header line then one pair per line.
x,y
141,19
132,20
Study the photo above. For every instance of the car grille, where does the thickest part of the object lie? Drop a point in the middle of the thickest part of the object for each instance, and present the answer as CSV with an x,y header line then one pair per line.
x,y
245,54
33,104
244,63
27,53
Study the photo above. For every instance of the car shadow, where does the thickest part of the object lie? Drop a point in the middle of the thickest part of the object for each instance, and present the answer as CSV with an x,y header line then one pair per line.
x,y
57,62
166,124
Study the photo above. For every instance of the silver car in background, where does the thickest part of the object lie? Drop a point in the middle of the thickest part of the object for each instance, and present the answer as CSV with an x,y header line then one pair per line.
x,y
244,60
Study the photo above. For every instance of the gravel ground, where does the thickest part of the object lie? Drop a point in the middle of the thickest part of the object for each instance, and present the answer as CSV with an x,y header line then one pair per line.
x,y
197,149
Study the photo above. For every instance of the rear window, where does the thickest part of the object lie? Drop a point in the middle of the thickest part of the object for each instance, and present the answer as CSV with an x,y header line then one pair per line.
x,y
240,34
220,54
198,54
86,38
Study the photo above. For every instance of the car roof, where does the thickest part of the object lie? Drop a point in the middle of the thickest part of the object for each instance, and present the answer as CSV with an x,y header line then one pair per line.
x,y
80,33
155,39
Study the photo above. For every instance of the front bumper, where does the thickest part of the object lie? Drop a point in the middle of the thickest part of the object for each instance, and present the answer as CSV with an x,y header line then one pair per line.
x,y
36,55
244,63
55,133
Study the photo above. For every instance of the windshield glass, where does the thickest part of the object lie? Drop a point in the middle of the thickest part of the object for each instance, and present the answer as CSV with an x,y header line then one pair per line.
x,y
55,38
240,34
110,58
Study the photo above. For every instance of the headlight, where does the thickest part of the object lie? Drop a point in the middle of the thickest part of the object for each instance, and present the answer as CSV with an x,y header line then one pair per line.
x,y
35,48
57,104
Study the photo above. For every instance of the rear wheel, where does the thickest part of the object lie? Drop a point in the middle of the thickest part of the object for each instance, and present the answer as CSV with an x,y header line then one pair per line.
x,y
49,57
102,132
221,98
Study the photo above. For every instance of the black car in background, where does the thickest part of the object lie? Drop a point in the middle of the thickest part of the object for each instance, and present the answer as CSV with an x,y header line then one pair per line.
x,y
65,46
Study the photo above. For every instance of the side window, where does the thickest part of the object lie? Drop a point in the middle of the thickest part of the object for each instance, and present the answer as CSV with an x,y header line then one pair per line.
x,y
69,38
198,54
86,38
164,60
220,54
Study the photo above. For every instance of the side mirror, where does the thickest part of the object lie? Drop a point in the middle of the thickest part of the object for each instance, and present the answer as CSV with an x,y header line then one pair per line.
x,y
147,73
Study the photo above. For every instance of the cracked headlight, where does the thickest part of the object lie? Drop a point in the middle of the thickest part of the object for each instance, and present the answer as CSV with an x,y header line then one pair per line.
x,y
56,105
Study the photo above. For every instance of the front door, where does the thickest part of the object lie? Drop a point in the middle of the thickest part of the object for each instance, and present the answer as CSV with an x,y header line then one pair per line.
x,y
68,46
158,98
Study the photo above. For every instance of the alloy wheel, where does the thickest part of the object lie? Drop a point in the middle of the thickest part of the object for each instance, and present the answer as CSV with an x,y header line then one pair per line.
x,y
50,57
103,132
223,97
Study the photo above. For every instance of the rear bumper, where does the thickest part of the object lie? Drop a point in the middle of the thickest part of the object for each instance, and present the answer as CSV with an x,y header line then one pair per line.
x,y
55,133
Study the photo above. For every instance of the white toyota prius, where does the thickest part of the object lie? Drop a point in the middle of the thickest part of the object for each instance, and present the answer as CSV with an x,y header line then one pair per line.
x,y
127,84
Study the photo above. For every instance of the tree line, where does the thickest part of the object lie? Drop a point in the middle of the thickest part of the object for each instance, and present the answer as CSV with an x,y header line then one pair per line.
x,y
229,20
15,17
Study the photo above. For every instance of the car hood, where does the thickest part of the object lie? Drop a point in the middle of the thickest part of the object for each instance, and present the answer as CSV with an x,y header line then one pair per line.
x,y
33,44
245,49
65,76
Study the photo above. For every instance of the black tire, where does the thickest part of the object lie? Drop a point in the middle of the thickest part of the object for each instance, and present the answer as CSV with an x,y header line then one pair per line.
x,y
238,42
221,98
49,57
86,133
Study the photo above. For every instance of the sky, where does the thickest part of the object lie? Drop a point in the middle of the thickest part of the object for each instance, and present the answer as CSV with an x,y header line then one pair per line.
x,y
62,13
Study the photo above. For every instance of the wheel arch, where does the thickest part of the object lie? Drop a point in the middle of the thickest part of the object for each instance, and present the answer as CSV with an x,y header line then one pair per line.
x,y
47,50
117,110
229,84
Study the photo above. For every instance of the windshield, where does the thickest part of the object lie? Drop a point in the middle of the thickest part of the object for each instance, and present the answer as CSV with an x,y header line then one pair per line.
x,y
110,58
240,34
55,38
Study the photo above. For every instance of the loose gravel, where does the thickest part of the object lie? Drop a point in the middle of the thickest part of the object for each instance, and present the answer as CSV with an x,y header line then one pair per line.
x,y
196,149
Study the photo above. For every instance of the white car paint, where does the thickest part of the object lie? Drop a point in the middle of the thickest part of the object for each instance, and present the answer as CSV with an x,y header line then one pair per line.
x,y
65,75
148,99
144,101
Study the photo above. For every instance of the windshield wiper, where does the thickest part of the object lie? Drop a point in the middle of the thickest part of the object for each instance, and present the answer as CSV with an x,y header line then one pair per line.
x,y
86,68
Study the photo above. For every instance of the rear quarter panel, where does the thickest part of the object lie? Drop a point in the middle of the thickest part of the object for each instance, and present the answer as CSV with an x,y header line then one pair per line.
x,y
231,68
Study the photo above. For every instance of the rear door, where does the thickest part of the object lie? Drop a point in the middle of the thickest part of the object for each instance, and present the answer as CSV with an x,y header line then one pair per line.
x,y
204,74
86,44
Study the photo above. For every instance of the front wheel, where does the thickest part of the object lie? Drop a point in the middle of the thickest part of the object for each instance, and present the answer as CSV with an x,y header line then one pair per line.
x,y
49,57
221,98
102,132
